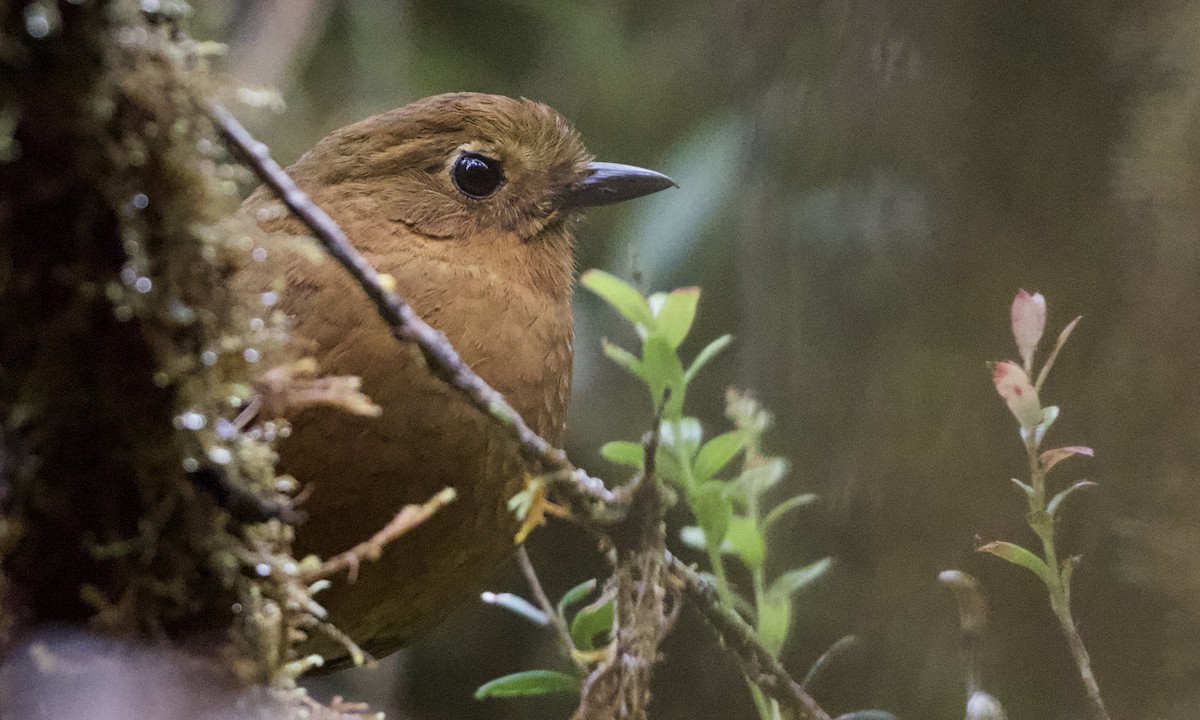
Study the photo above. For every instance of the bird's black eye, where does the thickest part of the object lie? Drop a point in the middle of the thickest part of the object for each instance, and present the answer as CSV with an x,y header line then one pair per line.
x,y
476,175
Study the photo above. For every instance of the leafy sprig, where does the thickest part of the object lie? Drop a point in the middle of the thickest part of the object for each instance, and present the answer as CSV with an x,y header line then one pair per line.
x,y
725,496
1023,396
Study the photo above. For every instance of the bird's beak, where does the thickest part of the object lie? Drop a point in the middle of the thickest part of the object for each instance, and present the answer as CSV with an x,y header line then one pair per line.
x,y
609,183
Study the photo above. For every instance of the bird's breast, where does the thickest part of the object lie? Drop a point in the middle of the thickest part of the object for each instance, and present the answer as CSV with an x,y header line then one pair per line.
x,y
364,470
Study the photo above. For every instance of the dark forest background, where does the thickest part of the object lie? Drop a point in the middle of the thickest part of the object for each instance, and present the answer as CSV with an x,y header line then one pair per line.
x,y
864,186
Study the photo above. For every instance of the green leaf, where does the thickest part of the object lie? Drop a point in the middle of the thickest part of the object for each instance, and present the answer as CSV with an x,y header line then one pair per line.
x,y
783,508
674,319
757,480
661,370
1018,555
624,452
712,509
774,621
668,468
517,605
794,580
836,650
716,454
707,354
590,621
623,297
1025,487
1057,499
574,595
747,541
528,683
625,359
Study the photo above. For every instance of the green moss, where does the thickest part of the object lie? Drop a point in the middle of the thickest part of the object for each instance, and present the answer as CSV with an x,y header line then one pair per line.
x,y
123,358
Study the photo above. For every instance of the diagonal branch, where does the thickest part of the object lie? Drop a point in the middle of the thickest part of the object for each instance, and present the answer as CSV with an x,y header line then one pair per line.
x,y
408,518
552,614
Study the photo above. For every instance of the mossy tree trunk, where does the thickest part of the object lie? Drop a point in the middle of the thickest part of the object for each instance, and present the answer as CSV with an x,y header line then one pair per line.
x,y
122,358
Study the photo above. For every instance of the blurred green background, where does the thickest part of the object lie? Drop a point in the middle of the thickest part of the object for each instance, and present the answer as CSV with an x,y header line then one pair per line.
x,y
864,186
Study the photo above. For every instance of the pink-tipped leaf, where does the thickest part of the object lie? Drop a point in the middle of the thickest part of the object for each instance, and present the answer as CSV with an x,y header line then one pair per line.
x,y
1028,324
1050,458
1014,387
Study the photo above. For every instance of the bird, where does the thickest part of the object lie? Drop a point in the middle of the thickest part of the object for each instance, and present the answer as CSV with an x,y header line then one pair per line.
x,y
469,202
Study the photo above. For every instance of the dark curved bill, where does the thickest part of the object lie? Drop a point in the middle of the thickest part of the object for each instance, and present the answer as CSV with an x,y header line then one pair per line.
x,y
612,183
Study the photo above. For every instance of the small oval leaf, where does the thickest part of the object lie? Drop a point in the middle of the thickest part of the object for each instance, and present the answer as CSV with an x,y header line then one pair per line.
x,y
1058,346
1025,487
747,542
1018,555
712,509
624,358
709,352
529,682
590,621
1014,387
774,621
783,508
674,319
1057,500
574,595
623,297
717,453
757,480
517,605
668,468
1050,458
796,579
835,651
624,452
661,369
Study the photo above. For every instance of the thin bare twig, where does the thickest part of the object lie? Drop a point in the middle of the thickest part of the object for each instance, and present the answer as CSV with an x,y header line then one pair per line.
x,y
583,493
408,518
543,601
357,655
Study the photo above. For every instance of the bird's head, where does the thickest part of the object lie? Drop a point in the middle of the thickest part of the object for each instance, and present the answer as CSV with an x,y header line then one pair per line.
x,y
472,168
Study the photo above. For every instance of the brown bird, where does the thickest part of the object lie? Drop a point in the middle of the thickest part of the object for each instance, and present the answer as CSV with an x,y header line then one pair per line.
x,y
468,201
